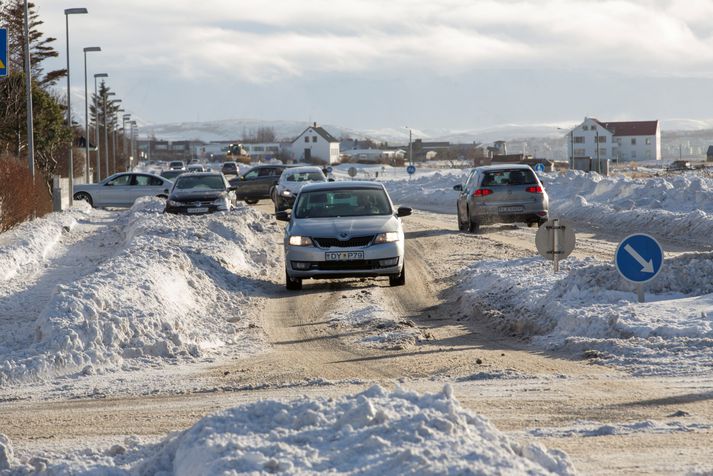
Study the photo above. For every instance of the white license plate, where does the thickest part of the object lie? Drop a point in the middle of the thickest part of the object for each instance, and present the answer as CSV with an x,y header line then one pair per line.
x,y
511,209
198,210
343,255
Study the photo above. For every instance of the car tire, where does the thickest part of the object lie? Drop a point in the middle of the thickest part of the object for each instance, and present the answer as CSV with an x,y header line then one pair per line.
x,y
83,196
278,206
461,226
473,225
292,284
530,224
399,279
251,201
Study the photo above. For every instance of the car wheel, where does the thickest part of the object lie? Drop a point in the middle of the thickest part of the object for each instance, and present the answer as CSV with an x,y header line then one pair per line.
x,y
399,279
250,201
461,226
530,224
278,206
82,196
292,284
473,225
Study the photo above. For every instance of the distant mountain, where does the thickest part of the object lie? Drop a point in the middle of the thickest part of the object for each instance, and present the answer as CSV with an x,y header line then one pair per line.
x,y
237,129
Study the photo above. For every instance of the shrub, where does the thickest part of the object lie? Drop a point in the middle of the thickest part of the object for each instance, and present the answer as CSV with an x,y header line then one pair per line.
x,y
20,198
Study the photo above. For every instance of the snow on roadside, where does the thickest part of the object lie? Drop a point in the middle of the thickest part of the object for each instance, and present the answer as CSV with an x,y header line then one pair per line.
x,y
589,310
373,326
374,432
179,288
27,245
592,428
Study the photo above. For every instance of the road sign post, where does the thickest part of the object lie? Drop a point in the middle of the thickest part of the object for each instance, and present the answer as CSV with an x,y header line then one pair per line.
x,y
639,259
3,52
410,170
555,241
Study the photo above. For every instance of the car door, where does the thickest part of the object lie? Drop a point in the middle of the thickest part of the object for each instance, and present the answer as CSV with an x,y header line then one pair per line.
x,y
114,192
246,184
462,202
265,180
147,185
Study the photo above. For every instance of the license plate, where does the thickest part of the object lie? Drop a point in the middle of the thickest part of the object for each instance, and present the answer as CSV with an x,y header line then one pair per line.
x,y
198,210
343,255
511,209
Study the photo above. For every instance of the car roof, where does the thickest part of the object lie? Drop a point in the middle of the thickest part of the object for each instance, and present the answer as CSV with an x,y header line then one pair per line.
x,y
347,184
487,168
303,168
202,174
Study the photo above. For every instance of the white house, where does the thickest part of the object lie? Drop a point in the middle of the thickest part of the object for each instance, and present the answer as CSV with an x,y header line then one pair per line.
x,y
636,140
315,143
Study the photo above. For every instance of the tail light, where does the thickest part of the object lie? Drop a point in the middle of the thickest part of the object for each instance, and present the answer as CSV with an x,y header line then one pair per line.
x,y
482,192
535,189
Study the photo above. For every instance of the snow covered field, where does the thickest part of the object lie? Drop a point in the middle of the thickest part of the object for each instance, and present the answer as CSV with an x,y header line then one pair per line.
x,y
375,432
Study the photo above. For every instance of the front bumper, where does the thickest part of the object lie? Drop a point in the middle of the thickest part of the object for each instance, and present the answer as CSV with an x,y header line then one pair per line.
x,y
374,264
194,210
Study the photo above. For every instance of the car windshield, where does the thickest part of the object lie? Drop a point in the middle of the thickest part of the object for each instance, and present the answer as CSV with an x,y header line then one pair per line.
x,y
343,203
171,174
508,177
306,177
200,182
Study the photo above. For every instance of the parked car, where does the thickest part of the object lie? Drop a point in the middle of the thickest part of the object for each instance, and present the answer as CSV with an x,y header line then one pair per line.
x,y
200,192
257,183
122,189
195,168
506,193
343,229
230,168
176,165
291,182
172,174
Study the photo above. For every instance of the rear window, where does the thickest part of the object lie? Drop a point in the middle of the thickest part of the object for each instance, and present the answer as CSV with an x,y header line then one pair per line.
x,y
508,177
306,177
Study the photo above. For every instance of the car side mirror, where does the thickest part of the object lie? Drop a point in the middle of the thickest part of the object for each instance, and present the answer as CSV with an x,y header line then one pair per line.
x,y
330,180
282,216
403,211
458,188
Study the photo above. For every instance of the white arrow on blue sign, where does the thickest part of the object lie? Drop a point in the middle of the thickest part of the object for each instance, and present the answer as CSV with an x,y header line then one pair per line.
x,y
639,258
539,167
411,169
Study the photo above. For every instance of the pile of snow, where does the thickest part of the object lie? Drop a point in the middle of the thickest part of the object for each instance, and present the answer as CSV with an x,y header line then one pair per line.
x,y
30,243
374,432
373,326
177,288
588,309
431,192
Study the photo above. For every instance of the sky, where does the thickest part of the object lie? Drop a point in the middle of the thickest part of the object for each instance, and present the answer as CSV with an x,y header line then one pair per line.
x,y
445,64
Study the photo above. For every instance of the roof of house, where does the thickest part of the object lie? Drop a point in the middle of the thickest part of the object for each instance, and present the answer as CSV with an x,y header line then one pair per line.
x,y
320,131
631,128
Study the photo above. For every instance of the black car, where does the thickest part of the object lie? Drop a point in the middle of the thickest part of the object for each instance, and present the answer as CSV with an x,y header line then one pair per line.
x,y
172,174
230,168
257,183
201,192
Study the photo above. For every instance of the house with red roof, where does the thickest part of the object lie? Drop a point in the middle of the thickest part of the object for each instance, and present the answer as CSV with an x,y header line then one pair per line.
x,y
616,141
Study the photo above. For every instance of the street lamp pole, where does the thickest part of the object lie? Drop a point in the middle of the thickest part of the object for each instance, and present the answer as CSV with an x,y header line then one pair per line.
x,y
133,139
28,93
410,146
67,12
124,119
113,132
106,135
96,123
86,113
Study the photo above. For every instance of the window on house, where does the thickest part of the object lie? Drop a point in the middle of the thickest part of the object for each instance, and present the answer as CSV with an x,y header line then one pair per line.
x,y
648,141
585,128
306,139
602,152
314,138
579,139
633,141
602,139
579,152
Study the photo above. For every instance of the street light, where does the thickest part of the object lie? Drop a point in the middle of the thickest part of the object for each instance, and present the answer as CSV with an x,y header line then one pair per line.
x,y
124,119
28,93
67,12
113,132
133,138
106,136
410,146
88,49
96,121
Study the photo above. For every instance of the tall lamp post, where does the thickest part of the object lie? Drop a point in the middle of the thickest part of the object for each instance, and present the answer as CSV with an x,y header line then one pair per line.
x,y
124,119
88,49
67,12
96,123
28,93
105,120
410,146
134,131
113,133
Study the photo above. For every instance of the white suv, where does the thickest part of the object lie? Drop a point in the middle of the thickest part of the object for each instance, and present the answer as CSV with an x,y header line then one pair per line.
x,y
291,182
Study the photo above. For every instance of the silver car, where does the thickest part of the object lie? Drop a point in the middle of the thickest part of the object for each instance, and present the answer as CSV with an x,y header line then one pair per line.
x,y
122,189
506,193
343,229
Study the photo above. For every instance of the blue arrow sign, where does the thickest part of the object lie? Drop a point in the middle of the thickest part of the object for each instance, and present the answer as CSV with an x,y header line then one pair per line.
x,y
411,169
539,167
3,52
639,258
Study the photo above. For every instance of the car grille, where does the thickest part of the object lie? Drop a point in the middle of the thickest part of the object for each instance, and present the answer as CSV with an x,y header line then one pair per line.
x,y
350,243
346,265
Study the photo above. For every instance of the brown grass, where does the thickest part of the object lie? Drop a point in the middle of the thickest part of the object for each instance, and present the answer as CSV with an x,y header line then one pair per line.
x,y
20,198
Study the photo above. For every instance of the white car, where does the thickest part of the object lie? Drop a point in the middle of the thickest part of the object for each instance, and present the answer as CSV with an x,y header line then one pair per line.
x,y
291,182
196,168
176,165
122,189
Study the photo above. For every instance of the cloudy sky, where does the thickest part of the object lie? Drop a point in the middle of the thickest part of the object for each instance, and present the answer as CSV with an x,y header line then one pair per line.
x,y
451,64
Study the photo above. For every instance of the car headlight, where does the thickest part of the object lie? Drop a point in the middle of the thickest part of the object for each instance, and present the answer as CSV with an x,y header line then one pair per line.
x,y
388,237
286,193
173,203
296,240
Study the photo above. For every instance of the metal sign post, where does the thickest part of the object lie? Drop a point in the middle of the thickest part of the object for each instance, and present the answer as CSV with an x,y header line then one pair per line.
x,y
555,241
639,259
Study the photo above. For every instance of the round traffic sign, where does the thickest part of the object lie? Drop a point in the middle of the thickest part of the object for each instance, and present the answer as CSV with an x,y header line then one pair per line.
x,y
411,169
639,258
545,239
352,171
330,169
539,167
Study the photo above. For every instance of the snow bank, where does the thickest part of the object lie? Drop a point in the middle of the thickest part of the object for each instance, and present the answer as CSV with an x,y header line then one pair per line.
x,y
588,428
179,287
28,244
433,192
374,432
588,309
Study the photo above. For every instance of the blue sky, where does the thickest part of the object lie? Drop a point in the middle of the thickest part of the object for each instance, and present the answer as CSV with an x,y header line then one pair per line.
x,y
452,64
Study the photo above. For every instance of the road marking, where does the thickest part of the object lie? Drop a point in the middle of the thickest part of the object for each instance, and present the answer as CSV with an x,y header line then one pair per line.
x,y
646,266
